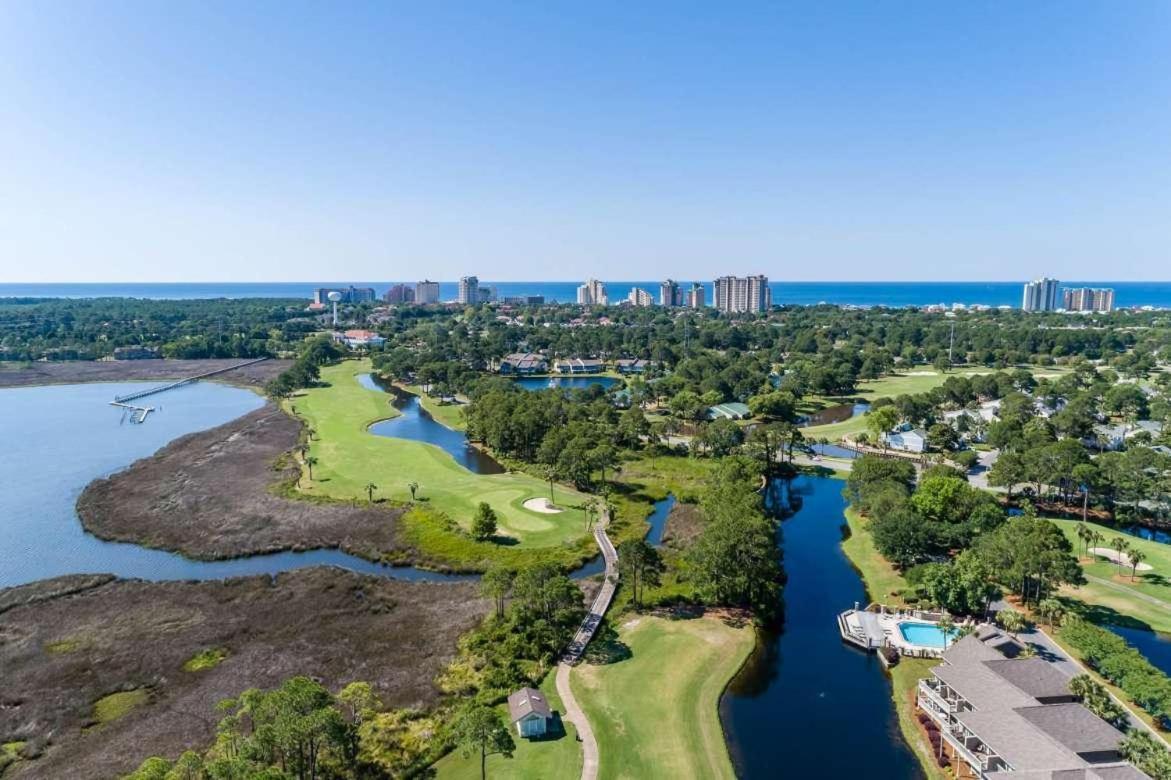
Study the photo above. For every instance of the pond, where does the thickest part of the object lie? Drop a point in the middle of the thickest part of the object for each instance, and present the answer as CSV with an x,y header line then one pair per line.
x,y
835,414
416,424
806,704
566,382
60,438
833,451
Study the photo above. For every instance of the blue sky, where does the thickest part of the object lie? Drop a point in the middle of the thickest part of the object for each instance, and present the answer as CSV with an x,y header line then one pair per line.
x,y
256,141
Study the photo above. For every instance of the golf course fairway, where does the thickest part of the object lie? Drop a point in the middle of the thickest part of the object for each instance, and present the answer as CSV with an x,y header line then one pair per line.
x,y
348,458
656,713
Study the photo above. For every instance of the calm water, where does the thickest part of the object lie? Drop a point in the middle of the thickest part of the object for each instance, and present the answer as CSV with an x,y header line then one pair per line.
x,y
835,414
417,425
59,438
566,382
1007,293
807,705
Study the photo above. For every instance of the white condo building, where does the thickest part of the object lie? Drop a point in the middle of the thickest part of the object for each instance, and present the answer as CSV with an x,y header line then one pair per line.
x,y
469,290
1040,295
426,291
742,294
640,297
592,293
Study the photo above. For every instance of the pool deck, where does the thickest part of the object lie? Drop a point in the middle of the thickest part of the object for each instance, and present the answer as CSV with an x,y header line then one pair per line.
x,y
877,626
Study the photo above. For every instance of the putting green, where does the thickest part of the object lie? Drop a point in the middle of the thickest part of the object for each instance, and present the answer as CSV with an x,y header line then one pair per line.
x,y
655,714
349,457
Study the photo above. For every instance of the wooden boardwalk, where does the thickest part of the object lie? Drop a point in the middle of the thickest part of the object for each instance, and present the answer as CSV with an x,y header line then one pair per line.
x,y
125,399
601,603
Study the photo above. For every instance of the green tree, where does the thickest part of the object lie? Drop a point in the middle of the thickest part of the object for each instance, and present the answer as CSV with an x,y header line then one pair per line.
x,y
1136,556
881,421
640,565
496,585
1011,621
484,523
370,488
481,730
310,462
413,487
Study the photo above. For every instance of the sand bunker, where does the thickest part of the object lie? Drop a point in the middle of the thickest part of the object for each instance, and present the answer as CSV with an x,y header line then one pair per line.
x,y
543,506
1113,557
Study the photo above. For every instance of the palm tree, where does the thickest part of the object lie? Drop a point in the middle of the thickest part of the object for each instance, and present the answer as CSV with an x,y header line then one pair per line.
x,y
1119,545
1012,621
312,432
370,488
590,506
412,486
1051,610
310,462
946,625
1085,534
1136,556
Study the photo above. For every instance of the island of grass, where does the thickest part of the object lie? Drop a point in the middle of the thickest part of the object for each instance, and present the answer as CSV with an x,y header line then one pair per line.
x,y
348,457
655,714
556,755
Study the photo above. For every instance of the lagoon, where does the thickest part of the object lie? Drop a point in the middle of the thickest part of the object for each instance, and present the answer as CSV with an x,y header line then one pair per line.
x,y
565,382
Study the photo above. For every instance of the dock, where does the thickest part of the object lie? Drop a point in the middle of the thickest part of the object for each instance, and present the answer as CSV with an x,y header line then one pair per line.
x,y
126,399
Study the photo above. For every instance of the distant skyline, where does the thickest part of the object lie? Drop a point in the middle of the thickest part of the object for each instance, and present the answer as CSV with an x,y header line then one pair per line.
x,y
269,142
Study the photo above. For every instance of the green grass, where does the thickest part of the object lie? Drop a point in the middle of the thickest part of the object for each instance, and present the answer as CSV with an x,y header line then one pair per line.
x,y
881,578
349,457
63,646
205,659
685,477
655,713
914,381
543,759
116,705
905,677
1121,597
450,415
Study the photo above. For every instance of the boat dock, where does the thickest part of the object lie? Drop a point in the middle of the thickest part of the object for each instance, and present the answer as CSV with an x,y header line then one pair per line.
x,y
125,399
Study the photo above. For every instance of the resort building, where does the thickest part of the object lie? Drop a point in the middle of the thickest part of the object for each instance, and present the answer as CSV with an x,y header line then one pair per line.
x,y
356,339
579,366
529,711
1088,299
670,294
729,411
400,293
469,291
734,294
426,291
1040,295
640,297
348,295
695,296
523,363
632,366
592,293
523,300
997,716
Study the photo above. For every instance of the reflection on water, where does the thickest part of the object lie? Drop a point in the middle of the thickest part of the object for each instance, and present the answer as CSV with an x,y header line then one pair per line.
x,y
835,414
566,382
417,425
806,704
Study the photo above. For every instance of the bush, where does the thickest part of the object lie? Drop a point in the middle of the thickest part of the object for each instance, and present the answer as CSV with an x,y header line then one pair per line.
x,y
1121,664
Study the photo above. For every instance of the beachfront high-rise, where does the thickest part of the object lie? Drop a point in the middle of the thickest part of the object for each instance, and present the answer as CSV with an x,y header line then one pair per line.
x,y
670,294
426,291
592,293
400,293
640,297
469,291
1088,299
695,296
734,294
1040,295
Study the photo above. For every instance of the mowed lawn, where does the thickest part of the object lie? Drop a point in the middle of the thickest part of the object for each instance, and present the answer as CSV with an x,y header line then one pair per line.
x,y
1124,595
912,382
349,457
655,714
555,757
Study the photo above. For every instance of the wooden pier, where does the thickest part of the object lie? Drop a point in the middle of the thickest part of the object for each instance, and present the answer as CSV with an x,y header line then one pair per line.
x,y
125,399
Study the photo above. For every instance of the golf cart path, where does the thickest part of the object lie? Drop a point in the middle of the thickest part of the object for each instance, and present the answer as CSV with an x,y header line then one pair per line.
x,y
1129,591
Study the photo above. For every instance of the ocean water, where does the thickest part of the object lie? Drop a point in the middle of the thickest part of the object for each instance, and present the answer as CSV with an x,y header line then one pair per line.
x,y
1157,294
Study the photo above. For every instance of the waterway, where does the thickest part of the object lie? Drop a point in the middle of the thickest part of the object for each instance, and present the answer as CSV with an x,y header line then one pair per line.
x,y
566,382
806,704
59,438
835,414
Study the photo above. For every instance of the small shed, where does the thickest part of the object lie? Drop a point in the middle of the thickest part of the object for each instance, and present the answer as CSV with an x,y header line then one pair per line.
x,y
529,712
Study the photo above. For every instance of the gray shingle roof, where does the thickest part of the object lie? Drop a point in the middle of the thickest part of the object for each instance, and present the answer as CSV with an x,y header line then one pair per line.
x,y
1073,726
1034,676
527,701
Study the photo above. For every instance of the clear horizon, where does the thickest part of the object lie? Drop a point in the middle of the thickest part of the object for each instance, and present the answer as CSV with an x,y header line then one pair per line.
x,y
852,142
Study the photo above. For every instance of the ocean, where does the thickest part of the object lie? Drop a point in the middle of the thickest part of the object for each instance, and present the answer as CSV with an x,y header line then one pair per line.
x,y
1156,294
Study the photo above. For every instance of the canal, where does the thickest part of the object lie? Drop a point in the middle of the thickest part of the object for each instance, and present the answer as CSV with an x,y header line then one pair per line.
x,y
805,704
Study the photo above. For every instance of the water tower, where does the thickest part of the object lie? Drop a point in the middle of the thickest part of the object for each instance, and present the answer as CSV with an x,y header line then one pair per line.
x,y
334,297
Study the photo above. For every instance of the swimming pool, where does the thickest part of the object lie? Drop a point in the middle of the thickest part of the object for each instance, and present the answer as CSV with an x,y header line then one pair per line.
x,y
925,635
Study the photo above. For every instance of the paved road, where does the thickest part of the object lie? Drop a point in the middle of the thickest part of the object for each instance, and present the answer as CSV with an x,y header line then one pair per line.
x,y
574,714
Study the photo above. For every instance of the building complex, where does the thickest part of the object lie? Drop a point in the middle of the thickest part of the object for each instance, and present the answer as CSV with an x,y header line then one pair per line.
x,y
736,294
592,293
1088,299
670,294
426,291
640,297
1040,295
998,716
